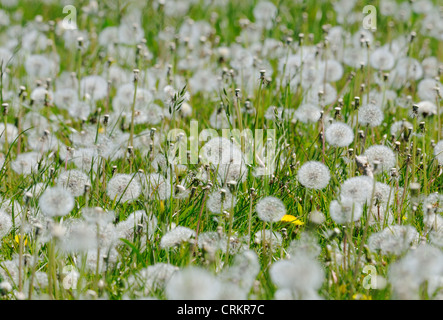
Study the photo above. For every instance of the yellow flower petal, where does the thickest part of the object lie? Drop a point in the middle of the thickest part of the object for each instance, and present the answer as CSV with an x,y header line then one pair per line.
x,y
17,239
162,206
292,219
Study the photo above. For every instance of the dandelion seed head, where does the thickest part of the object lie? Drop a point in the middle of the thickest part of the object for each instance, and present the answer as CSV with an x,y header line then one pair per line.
x,y
268,238
176,236
419,266
41,141
339,134
430,67
407,69
264,13
56,201
80,110
307,244
5,223
327,96
124,188
307,112
212,241
154,277
382,59
370,115
345,211
193,283
97,216
94,86
64,98
314,175
41,96
243,271
154,186
10,270
285,274
270,209
438,152
39,66
220,151
135,219
85,159
104,260
434,201
357,189
75,181
219,201
394,239
81,236
383,154
400,126
427,108
232,172
11,132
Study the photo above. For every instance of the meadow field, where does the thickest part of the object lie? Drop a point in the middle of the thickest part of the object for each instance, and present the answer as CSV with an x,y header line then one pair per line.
x,y
221,150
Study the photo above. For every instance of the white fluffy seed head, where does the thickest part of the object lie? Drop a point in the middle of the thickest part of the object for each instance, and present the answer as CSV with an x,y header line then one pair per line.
x,y
74,181
220,151
56,201
176,236
96,87
383,154
140,217
97,216
314,175
219,201
307,112
358,189
370,115
339,134
427,108
393,239
193,283
123,187
426,89
301,274
438,152
5,223
243,270
270,209
154,277
154,185
345,211
80,236
268,238
26,163
382,59
212,241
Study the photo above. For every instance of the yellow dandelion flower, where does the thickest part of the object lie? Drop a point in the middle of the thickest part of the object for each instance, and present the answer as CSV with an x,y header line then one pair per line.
x,y
342,288
292,219
17,239
162,206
